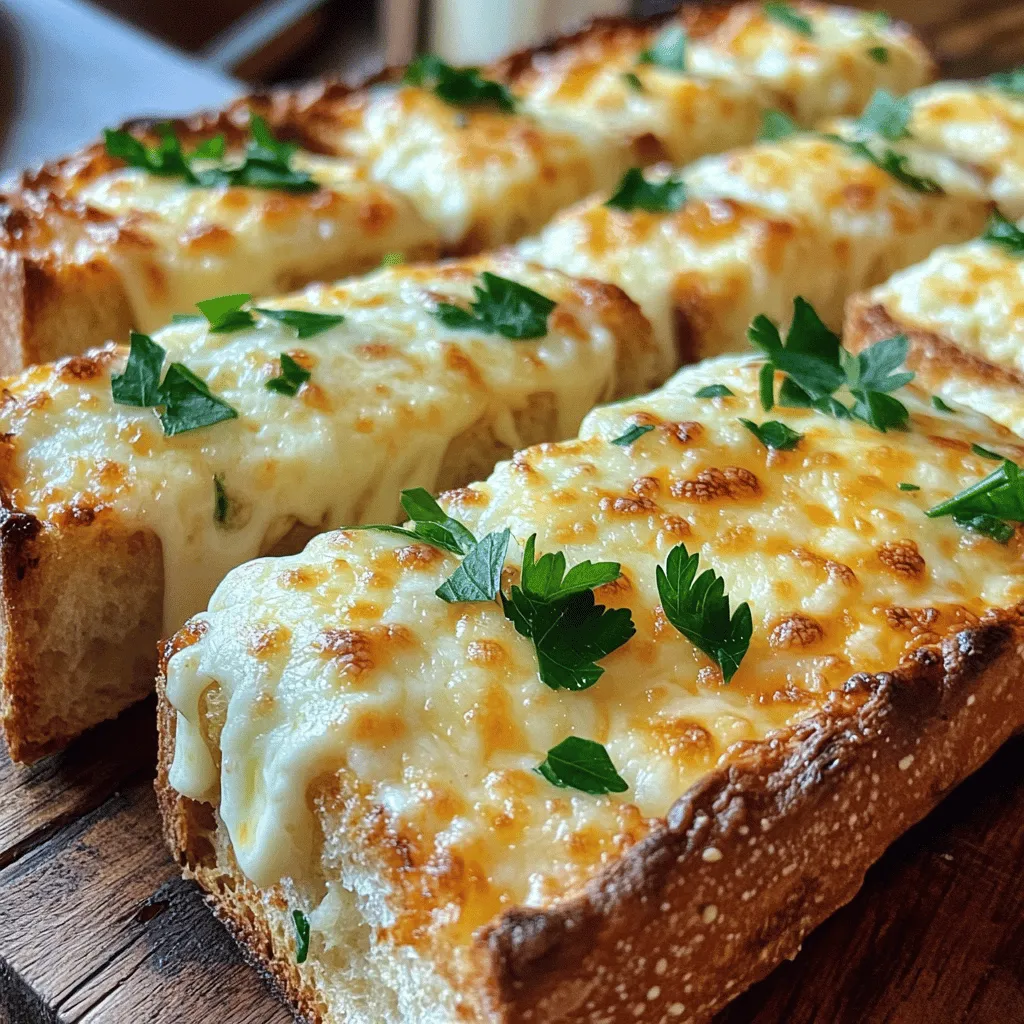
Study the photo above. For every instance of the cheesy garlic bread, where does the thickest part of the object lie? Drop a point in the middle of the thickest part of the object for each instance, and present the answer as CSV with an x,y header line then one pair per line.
x,y
963,310
326,180
133,481
425,783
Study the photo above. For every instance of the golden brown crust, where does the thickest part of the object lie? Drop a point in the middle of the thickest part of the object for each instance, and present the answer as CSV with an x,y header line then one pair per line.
x,y
748,862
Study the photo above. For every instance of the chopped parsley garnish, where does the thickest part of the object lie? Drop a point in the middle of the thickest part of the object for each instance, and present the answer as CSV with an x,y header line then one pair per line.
x,y
633,81
888,116
939,404
713,391
301,936
459,87
985,507
635,192
879,54
773,434
187,402
501,307
1009,81
225,314
784,14
431,524
557,611
817,366
266,163
221,506
291,378
392,259
908,487
668,51
776,126
985,453
581,764
894,164
478,577
302,321
1002,232
632,434
699,609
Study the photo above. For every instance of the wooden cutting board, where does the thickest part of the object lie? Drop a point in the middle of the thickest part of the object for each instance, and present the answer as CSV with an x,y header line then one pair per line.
x,y
96,926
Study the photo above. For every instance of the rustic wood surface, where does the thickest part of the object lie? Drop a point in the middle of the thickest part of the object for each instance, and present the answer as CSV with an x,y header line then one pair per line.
x,y
96,927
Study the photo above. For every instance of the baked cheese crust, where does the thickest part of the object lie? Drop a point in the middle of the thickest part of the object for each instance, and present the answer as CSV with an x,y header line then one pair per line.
x,y
395,399
963,308
364,741
762,224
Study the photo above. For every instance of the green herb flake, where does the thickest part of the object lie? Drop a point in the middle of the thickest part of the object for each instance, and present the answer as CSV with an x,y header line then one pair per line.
x,y
773,434
633,81
221,506
987,526
478,577
635,192
776,126
291,378
1004,233
986,506
713,391
635,432
557,611
458,87
879,54
500,307
305,323
698,607
392,259
784,14
896,165
908,487
225,314
139,383
301,936
581,764
888,116
668,51
939,404
985,453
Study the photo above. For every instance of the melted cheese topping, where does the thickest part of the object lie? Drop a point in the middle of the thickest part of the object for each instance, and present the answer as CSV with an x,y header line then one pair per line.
x,y
763,224
983,127
973,296
391,389
829,73
481,177
178,245
332,690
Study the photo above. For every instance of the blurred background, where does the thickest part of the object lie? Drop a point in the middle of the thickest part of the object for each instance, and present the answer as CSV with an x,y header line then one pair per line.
x,y
68,68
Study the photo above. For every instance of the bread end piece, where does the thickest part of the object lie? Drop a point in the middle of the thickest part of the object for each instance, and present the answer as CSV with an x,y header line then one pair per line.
x,y
749,861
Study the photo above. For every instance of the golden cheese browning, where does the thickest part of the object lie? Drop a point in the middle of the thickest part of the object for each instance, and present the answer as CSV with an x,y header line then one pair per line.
x,y
406,730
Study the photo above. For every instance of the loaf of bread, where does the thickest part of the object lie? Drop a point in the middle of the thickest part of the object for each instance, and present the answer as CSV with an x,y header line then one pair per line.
x,y
368,769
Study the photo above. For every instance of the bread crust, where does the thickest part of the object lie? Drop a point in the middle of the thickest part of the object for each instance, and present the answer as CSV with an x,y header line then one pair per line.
x,y
746,864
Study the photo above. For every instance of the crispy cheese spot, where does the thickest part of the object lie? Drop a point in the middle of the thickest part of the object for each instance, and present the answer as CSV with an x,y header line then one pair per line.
x,y
795,631
683,432
646,487
266,641
207,238
836,571
628,506
486,652
418,556
302,577
350,649
734,483
80,368
902,558
377,727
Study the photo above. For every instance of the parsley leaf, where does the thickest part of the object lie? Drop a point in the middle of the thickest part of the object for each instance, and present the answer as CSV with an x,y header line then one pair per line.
x,y
459,87
221,506
557,611
668,51
699,609
301,936
939,404
633,81
773,434
896,165
879,54
1003,232
983,507
432,523
186,400
635,432
266,163
817,366
784,14
713,391
908,487
478,577
292,377
302,321
581,764
501,307
776,126
225,314
1009,81
985,453
392,259
887,115
987,526
635,192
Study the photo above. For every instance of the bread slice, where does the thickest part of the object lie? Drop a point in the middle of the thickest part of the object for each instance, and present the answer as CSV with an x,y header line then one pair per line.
x,y
805,215
98,501
960,308
339,742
